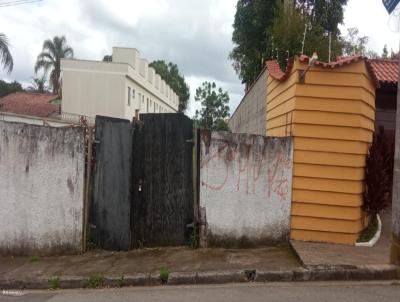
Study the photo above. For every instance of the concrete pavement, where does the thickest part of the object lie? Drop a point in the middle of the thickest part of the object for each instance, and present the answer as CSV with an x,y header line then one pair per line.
x,y
296,292
312,253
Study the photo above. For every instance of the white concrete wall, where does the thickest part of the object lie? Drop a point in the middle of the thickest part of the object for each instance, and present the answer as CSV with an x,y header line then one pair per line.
x,y
93,88
129,56
41,185
245,189
250,115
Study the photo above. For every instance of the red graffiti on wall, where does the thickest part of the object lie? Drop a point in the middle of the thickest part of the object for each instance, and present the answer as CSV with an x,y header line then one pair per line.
x,y
246,171
277,181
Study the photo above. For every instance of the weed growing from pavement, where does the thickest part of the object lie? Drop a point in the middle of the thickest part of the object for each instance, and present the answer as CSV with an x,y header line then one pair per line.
x,y
34,258
164,275
54,282
95,281
120,281
250,274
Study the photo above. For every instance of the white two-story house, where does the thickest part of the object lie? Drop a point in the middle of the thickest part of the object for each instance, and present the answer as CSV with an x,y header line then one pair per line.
x,y
122,88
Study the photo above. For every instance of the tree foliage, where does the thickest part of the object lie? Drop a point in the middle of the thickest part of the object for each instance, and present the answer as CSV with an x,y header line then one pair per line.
x,y
385,52
7,88
5,54
353,44
215,108
50,59
38,84
378,174
266,29
171,75
251,37
107,58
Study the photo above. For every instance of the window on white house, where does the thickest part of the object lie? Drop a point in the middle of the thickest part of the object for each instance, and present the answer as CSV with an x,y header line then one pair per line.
x,y
133,93
129,96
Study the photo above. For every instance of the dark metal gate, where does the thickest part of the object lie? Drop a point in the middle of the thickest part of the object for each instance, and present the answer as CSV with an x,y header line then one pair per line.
x,y
111,211
143,190
162,204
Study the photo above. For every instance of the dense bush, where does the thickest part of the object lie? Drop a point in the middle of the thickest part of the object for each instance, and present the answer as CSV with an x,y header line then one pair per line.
x,y
379,174
7,88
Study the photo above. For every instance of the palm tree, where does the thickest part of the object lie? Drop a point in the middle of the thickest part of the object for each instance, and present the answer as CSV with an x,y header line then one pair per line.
x,y
50,57
38,84
5,55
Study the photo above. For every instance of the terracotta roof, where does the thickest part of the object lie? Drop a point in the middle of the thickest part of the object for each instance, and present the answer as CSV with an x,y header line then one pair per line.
x,y
29,103
387,71
278,74
275,70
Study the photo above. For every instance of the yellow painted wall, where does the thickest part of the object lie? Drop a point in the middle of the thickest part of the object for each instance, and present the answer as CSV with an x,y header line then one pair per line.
x,y
331,117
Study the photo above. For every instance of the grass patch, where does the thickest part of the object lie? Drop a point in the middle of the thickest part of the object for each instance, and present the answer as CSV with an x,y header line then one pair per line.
x,y
54,282
120,281
34,258
370,231
164,275
250,274
95,281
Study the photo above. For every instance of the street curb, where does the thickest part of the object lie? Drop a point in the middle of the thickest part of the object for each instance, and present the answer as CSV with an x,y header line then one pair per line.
x,y
313,273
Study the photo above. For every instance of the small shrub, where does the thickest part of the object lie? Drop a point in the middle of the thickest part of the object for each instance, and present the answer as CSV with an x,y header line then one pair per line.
x,y
250,274
193,241
95,281
164,275
34,258
370,231
378,175
120,281
54,282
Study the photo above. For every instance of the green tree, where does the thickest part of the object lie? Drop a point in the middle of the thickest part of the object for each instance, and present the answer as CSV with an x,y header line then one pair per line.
x,y
327,14
353,44
265,29
215,108
171,75
5,54
7,88
50,58
288,30
38,84
385,52
251,37
107,58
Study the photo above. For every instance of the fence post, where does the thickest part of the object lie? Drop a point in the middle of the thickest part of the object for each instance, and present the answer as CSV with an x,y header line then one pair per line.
x,y
195,168
86,201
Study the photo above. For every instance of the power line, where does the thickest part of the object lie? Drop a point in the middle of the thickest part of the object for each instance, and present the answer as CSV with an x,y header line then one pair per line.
x,y
18,2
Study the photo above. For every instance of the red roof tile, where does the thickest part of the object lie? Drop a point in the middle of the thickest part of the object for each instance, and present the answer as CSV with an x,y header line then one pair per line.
x,y
278,74
29,103
387,71
275,70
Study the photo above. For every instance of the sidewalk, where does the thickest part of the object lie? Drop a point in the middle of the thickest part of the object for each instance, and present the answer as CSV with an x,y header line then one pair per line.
x,y
323,254
145,262
99,268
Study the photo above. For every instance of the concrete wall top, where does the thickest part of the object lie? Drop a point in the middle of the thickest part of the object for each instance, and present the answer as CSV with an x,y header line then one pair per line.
x,y
129,56
250,114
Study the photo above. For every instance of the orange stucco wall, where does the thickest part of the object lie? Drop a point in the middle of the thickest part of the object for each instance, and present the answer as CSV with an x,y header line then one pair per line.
x,y
331,117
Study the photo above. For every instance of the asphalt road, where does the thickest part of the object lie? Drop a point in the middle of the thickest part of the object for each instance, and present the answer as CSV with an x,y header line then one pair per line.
x,y
337,291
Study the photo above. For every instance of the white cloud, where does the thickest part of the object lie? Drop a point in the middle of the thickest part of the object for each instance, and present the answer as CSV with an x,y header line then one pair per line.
x,y
195,34
372,20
